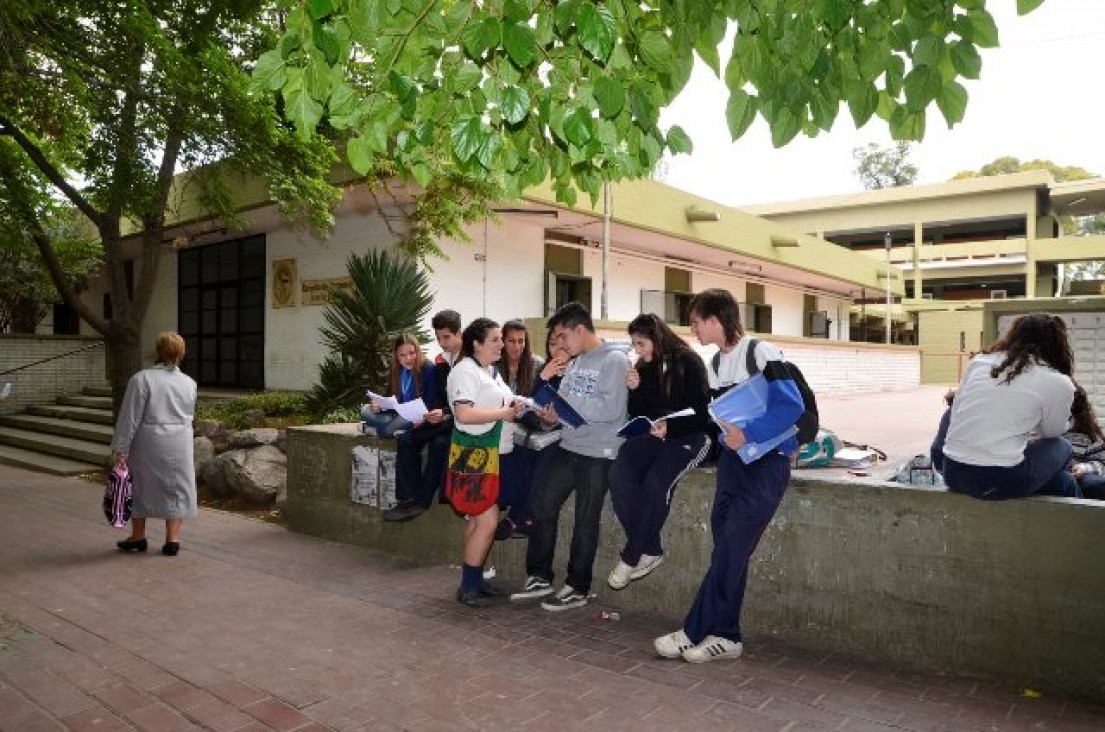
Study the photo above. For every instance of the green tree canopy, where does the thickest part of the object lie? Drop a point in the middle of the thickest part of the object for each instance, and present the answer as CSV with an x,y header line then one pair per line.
x,y
522,91
1009,164
878,167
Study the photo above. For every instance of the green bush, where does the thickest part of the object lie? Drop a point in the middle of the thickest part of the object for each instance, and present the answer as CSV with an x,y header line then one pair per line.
x,y
242,412
344,414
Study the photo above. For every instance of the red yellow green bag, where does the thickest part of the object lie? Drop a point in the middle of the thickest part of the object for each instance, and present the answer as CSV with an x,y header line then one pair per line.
x,y
472,475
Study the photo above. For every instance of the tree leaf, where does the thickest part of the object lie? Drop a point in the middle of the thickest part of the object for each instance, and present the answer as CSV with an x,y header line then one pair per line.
x,y
579,127
421,174
922,85
489,148
467,77
343,100
359,153
597,30
739,112
907,125
466,136
1024,7
481,36
319,9
679,141
376,134
270,72
927,51
984,31
862,100
610,96
784,126
655,50
303,110
514,102
966,59
517,10
520,44
401,85
952,102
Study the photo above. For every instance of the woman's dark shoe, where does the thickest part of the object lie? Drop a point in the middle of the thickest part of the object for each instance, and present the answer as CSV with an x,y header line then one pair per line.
x,y
171,548
132,545
471,598
489,590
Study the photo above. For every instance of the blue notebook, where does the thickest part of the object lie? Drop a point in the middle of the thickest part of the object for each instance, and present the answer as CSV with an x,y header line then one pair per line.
x,y
569,417
743,402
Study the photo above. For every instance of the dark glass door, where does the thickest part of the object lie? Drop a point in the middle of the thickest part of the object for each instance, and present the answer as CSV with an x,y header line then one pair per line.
x,y
221,312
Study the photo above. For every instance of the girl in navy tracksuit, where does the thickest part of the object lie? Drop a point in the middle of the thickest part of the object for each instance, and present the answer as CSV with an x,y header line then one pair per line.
x,y
747,494
412,377
667,378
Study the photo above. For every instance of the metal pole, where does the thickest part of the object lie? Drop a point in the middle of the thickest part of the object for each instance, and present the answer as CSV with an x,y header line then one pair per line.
x,y
604,311
887,240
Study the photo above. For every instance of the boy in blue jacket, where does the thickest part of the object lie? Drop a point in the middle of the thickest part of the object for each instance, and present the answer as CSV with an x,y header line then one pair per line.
x,y
747,495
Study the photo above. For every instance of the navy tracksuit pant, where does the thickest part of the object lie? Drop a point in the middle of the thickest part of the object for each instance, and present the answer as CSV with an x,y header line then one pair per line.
x,y
642,480
746,499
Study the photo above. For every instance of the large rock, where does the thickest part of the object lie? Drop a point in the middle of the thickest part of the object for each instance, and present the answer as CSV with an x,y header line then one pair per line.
x,y
214,473
259,476
210,428
203,452
254,437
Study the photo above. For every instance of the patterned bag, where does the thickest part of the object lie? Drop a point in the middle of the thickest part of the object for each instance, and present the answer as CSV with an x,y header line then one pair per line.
x,y
117,496
472,477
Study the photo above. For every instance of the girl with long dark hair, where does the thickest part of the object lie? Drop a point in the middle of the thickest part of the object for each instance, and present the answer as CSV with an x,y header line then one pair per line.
x,y
1001,437
668,377
410,377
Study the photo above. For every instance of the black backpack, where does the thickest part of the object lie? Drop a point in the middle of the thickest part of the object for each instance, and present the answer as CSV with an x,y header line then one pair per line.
x,y
809,422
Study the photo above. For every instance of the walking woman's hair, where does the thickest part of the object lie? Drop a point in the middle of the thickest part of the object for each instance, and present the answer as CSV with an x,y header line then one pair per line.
x,y
169,348
476,332
720,304
396,368
525,361
1082,417
1036,337
667,348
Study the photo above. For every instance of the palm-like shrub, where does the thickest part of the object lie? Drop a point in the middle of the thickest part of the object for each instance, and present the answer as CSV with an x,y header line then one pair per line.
x,y
390,295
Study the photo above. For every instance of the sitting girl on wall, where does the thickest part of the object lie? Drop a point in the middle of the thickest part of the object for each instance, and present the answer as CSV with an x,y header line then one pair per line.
x,y
412,377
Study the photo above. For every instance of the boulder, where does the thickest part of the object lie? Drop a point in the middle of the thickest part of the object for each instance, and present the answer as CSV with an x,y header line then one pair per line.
x,y
203,452
259,476
210,428
254,437
214,473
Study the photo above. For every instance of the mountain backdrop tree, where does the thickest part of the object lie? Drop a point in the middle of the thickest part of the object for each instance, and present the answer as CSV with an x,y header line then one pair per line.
x,y
889,167
1009,164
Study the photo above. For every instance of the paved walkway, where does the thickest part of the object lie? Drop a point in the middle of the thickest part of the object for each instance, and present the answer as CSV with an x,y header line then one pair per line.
x,y
254,628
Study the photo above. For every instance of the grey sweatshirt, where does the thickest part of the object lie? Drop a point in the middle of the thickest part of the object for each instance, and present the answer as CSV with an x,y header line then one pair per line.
x,y
595,385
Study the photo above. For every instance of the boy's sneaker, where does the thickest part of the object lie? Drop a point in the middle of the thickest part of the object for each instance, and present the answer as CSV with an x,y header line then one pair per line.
x,y
672,645
568,598
713,648
620,576
534,588
646,565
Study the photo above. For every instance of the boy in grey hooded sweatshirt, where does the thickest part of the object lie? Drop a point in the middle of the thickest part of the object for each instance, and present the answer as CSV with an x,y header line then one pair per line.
x,y
594,384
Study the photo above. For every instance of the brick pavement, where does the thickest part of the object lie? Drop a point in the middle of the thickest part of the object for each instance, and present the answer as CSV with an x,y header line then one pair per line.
x,y
254,628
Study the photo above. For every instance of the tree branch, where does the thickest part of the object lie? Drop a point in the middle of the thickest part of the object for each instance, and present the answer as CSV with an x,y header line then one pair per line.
x,y
50,170
154,225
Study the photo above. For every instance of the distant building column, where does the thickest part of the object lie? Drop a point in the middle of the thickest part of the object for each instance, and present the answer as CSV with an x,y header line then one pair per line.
x,y
918,278
1030,251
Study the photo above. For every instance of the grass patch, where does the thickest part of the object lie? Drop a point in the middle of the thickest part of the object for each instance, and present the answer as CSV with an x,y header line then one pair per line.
x,y
277,409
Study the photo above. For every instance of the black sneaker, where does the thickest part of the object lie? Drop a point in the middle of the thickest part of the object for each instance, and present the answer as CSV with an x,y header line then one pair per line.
x,y
534,588
568,598
405,511
505,529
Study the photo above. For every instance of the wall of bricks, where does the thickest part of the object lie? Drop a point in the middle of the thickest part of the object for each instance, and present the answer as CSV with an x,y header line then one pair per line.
x,y
44,382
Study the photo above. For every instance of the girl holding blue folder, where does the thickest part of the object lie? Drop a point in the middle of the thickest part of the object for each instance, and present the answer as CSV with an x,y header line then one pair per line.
x,y
668,377
747,493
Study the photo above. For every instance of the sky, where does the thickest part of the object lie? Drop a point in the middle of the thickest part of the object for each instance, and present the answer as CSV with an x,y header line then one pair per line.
x,y
1038,97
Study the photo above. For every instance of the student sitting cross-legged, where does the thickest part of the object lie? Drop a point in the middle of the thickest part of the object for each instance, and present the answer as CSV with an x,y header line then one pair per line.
x,y
668,377
411,377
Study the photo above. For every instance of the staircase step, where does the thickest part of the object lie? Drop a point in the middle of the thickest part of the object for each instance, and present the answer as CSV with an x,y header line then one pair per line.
x,y
67,447
52,425
77,414
92,402
44,463
99,391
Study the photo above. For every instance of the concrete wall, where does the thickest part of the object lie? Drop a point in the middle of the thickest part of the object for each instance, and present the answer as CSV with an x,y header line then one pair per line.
x,y
938,336
42,383
923,579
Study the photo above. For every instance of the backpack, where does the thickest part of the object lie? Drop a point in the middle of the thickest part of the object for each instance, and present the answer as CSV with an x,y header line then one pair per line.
x,y
809,422
819,452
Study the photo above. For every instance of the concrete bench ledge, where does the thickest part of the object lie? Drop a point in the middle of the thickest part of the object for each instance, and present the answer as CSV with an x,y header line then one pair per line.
x,y
915,576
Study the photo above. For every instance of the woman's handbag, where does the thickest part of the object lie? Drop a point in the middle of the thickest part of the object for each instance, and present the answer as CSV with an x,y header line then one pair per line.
x,y
118,496
472,476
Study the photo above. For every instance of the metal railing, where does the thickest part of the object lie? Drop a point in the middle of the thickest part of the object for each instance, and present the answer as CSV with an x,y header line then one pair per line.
x,y
43,380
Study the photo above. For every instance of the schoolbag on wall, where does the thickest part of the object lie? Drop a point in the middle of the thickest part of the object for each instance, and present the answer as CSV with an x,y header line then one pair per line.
x,y
809,422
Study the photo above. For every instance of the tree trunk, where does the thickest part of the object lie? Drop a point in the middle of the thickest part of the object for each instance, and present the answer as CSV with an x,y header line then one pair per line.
x,y
124,359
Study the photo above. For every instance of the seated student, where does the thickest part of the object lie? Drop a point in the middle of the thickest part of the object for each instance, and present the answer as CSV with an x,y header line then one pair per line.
x,y
412,377
1087,442
667,378
417,484
1001,437
533,438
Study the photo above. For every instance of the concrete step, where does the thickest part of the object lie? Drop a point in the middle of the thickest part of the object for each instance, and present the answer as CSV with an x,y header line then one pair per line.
x,y
77,414
44,463
64,427
67,447
92,402
99,391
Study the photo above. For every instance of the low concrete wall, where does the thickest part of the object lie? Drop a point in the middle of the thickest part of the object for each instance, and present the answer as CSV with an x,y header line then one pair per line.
x,y
42,383
922,578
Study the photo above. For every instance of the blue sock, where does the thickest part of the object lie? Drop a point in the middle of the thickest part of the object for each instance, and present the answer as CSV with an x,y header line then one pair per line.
x,y
471,578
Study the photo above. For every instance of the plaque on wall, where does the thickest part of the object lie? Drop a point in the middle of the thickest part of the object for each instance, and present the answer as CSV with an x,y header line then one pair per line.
x,y
317,292
283,283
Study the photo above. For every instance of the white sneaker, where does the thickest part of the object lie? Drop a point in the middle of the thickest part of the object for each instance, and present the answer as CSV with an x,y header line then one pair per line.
x,y
646,565
713,648
672,645
620,576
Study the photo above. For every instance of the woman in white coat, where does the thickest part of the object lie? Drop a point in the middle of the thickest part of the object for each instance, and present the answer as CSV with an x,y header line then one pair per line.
x,y
153,437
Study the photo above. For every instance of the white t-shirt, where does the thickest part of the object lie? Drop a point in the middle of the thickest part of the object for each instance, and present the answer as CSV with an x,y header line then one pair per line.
x,y
481,387
732,369
991,423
